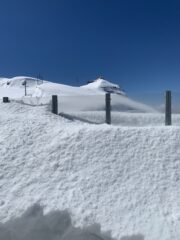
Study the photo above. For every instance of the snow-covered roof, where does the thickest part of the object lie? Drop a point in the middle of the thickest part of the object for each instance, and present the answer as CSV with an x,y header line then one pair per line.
x,y
104,85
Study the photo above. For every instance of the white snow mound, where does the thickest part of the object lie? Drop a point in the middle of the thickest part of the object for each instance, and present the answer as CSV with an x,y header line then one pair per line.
x,y
124,178
88,97
104,85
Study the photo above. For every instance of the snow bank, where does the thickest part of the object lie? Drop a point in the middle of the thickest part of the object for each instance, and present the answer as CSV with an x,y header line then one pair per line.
x,y
124,178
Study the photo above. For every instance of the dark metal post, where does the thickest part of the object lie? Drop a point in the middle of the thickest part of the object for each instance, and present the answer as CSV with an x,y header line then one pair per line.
x,y
54,104
108,108
25,85
5,99
25,88
168,109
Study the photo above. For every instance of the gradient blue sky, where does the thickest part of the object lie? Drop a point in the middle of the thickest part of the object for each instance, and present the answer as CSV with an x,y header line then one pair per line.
x,y
135,43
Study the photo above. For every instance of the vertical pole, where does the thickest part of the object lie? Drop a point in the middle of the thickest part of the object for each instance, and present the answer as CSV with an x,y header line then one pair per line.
x,y
108,108
54,104
25,87
168,109
5,99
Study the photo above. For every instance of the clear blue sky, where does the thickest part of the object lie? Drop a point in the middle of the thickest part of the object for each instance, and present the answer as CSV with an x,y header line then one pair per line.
x,y
135,43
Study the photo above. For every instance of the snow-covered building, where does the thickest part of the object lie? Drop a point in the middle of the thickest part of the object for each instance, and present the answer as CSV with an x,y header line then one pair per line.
x,y
105,85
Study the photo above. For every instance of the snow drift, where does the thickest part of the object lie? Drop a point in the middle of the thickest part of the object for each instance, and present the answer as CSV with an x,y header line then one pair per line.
x,y
124,178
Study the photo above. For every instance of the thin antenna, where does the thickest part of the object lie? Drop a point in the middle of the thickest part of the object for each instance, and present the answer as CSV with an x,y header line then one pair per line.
x,y
39,77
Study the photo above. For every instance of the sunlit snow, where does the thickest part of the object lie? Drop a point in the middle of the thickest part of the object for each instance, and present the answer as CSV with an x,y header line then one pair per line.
x,y
124,176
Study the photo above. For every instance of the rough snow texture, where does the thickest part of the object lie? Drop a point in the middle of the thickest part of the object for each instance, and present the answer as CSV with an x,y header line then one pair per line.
x,y
124,178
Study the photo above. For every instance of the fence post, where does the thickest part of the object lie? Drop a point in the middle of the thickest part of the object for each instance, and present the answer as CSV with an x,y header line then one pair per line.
x,y
25,88
108,108
168,109
5,99
54,104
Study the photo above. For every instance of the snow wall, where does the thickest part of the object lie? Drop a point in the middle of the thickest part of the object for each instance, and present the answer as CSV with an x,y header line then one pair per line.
x,y
124,178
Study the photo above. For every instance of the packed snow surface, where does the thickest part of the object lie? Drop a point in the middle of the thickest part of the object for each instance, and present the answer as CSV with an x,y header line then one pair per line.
x,y
124,178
